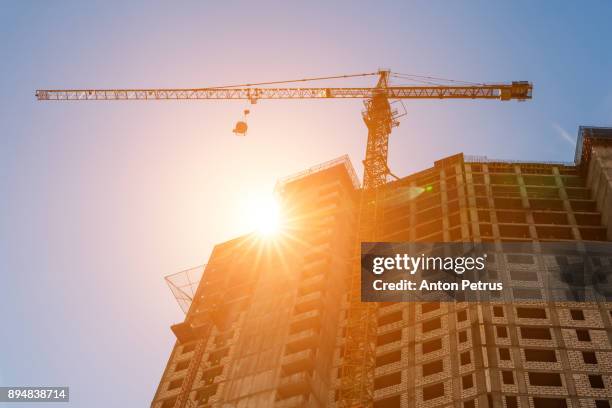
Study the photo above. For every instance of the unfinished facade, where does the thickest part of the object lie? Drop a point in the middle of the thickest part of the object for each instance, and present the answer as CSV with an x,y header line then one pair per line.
x,y
266,326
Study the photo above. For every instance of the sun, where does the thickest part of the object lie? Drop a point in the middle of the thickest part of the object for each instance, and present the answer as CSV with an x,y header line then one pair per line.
x,y
266,216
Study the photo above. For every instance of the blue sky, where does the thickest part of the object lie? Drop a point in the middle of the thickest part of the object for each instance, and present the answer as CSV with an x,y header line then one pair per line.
x,y
100,200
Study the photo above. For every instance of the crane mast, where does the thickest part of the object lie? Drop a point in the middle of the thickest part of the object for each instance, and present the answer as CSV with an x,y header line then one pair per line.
x,y
358,364
359,356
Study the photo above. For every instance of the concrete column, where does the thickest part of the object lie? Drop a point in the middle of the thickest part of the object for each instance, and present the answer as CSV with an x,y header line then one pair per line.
x,y
566,204
444,206
471,202
525,202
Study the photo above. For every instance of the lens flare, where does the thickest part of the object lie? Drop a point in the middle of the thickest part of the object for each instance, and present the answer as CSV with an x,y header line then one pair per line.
x,y
266,216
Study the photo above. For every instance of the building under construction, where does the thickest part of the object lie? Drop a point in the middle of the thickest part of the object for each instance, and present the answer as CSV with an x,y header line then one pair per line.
x,y
267,324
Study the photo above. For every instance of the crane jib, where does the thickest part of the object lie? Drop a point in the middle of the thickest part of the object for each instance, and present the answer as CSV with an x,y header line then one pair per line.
x,y
516,90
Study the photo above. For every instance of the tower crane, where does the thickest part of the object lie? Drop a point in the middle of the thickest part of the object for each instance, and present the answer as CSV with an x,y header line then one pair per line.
x,y
379,116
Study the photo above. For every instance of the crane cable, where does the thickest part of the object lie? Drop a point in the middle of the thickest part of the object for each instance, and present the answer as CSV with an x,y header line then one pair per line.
x,y
295,80
431,79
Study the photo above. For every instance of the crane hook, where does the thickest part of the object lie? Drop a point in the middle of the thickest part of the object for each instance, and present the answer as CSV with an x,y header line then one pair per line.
x,y
241,126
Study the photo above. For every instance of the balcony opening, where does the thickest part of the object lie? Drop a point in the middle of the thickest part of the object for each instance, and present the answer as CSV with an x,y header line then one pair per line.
x,y
524,276
484,216
482,202
541,402
583,335
169,403
388,358
588,219
204,394
536,333
596,381
528,294
467,381
583,206
506,191
570,181
433,391
215,357
530,313
542,192
520,259
431,325
387,338
390,318
589,357
511,402
429,307
593,234
503,179
390,402
486,230
188,348
540,355
465,358
508,203
175,384
209,376
546,204
579,193
545,379
432,368
182,365
516,217
514,231
501,168
550,218
554,232
539,180
431,346
388,380
502,331
429,228
577,314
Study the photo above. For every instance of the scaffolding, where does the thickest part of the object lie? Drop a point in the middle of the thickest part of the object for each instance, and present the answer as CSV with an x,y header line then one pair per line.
x,y
184,284
486,159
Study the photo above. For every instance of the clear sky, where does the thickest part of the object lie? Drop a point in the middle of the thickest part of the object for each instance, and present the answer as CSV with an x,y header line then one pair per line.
x,y
98,201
